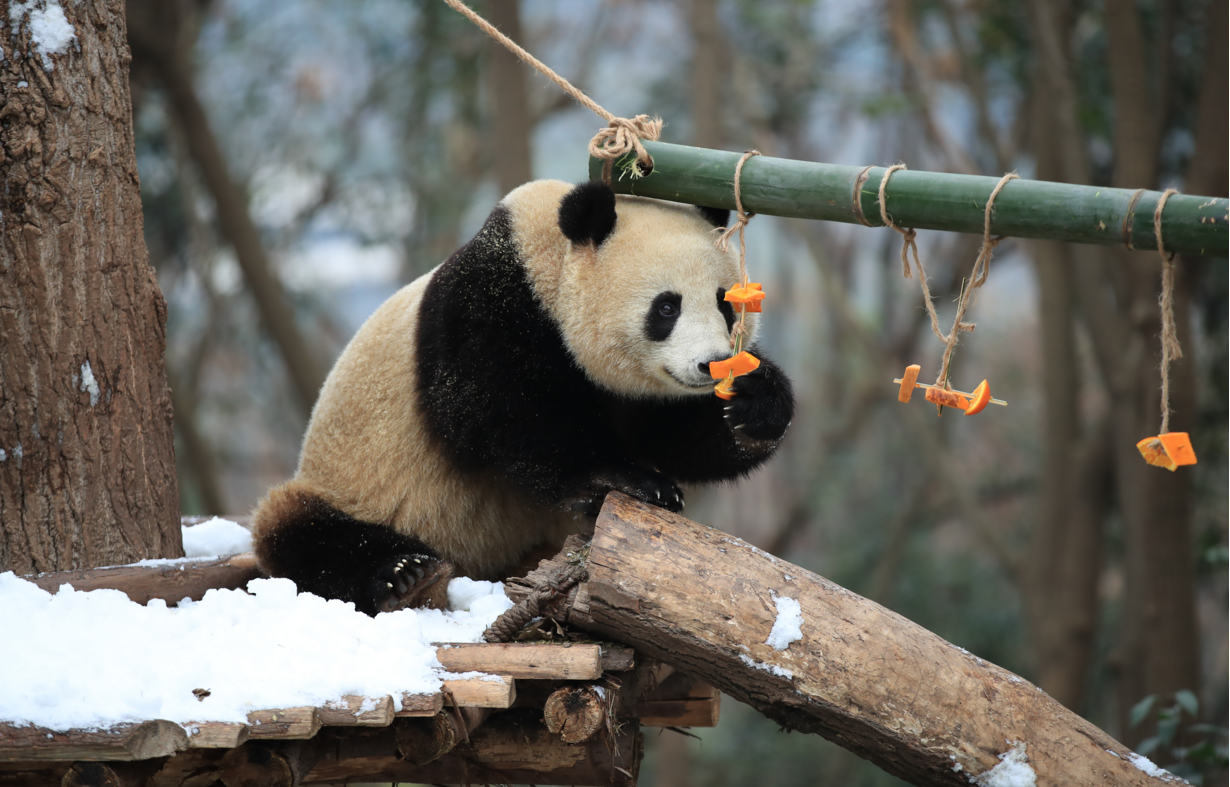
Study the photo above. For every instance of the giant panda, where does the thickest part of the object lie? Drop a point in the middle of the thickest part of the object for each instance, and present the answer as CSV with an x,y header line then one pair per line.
x,y
486,409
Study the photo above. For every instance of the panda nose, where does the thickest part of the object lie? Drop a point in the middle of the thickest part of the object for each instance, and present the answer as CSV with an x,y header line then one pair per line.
x,y
704,365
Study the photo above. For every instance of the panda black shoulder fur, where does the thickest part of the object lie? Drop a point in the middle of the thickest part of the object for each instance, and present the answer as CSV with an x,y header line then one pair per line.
x,y
486,409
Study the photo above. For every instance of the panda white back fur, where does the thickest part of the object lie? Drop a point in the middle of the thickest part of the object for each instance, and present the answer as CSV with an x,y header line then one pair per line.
x,y
485,410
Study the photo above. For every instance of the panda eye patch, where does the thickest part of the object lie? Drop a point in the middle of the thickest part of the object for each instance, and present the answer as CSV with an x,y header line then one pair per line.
x,y
663,312
725,307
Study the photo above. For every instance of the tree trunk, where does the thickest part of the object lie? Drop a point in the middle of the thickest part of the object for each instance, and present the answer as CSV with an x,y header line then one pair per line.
x,y
510,127
1060,582
159,34
707,73
1159,649
87,464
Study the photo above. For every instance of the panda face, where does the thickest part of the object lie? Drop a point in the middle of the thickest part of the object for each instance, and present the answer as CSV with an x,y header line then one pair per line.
x,y
642,312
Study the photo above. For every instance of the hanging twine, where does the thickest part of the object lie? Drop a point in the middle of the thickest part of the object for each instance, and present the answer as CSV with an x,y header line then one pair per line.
x,y
909,245
978,276
1170,338
621,135
742,217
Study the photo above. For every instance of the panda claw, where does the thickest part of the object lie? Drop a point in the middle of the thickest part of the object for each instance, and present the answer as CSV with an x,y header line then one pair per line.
x,y
388,585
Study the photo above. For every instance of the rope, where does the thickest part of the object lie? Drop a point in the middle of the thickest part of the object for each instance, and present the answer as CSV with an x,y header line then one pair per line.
x,y
621,134
978,277
507,625
1170,339
742,217
858,195
908,245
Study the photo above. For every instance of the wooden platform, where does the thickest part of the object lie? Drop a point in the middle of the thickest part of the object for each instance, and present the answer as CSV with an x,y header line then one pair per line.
x,y
474,730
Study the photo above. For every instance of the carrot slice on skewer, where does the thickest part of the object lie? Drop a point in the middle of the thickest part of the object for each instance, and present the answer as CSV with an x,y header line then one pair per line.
x,y
1170,450
947,398
750,296
980,399
738,365
907,382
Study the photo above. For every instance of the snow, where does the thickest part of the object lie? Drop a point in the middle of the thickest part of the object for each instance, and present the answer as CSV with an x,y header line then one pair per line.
x,y
216,538
1013,770
269,648
772,669
88,383
50,31
789,624
1146,766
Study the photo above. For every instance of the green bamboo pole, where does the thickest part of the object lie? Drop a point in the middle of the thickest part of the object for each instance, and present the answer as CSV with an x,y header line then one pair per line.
x,y
928,200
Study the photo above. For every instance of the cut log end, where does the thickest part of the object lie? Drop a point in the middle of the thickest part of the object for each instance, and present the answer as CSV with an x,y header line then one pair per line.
x,y
576,713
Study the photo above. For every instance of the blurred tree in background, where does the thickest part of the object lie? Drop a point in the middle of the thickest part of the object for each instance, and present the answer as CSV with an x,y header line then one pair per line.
x,y
301,160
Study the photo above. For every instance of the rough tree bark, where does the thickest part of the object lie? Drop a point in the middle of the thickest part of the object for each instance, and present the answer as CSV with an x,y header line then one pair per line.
x,y
511,126
87,465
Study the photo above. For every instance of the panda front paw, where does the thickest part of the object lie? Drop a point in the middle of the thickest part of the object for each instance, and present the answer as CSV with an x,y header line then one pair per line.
x,y
410,580
646,486
763,404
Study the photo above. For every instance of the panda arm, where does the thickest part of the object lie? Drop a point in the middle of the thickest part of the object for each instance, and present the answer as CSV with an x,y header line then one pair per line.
x,y
705,438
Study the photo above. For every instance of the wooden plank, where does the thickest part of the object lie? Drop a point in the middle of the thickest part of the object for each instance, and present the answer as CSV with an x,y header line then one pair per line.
x,y
354,711
530,660
420,704
156,738
284,723
679,700
169,582
216,734
490,691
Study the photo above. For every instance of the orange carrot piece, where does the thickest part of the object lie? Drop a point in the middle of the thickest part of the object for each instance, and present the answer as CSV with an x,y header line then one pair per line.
x,y
750,296
1171,450
907,382
1179,446
1154,452
738,366
981,398
947,398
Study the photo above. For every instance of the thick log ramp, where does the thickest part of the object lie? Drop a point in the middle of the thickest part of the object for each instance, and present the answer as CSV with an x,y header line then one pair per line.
x,y
862,676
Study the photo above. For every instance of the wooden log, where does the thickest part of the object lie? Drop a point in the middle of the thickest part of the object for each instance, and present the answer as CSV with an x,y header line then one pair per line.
x,y
862,676
420,704
535,661
216,734
426,740
357,712
576,713
169,582
489,691
156,738
511,747
284,723
617,658
680,700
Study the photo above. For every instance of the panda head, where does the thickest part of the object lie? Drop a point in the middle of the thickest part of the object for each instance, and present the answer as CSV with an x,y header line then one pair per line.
x,y
638,292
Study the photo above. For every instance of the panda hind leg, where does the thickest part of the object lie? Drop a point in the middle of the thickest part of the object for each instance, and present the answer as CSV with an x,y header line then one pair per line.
x,y
327,552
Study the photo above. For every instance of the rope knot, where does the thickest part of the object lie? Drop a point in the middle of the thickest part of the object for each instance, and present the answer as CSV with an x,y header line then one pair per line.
x,y
623,135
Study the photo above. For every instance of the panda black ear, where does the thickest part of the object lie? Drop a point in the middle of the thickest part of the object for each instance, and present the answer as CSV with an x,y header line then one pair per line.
x,y
718,217
587,213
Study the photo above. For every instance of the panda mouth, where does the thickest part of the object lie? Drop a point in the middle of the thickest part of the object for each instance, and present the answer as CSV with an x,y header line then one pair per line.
x,y
691,386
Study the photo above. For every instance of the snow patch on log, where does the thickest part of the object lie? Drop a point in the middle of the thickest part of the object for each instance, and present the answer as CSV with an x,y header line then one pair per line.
x,y
1013,770
216,538
788,627
772,669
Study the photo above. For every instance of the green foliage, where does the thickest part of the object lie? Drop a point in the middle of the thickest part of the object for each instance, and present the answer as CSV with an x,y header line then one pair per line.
x,y
1207,752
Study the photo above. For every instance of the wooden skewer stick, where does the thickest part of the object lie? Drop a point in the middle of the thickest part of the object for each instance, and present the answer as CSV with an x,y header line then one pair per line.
x,y
999,402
